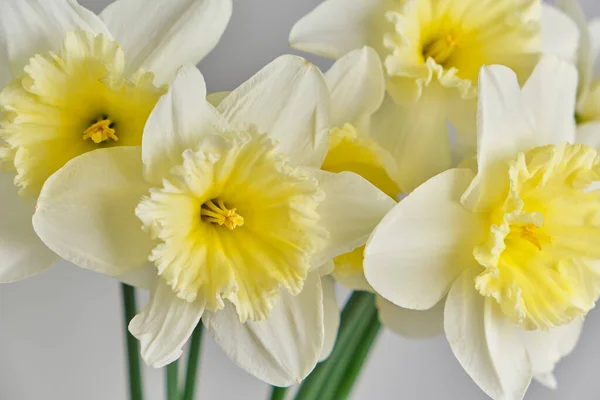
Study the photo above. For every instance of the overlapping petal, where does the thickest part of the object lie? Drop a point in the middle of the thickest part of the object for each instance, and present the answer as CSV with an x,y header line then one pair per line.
x,y
179,120
351,210
337,27
485,343
424,243
412,323
165,325
161,36
22,253
283,349
85,212
288,99
357,86
29,27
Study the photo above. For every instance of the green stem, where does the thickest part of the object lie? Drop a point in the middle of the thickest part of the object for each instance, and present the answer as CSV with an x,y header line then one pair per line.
x,y
133,355
355,317
337,374
172,381
278,393
193,362
360,355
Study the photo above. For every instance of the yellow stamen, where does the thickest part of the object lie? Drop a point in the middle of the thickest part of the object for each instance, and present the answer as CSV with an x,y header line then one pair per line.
x,y
532,234
101,132
441,49
219,214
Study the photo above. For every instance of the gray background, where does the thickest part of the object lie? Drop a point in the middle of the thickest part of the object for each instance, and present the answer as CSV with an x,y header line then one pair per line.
x,y
61,333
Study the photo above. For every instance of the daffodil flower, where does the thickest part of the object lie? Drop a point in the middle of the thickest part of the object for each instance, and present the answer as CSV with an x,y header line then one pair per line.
x,y
514,247
432,52
238,218
78,82
356,84
588,95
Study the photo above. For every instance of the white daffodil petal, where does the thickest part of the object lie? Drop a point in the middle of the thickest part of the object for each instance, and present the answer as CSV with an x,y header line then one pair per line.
x,y
29,27
504,130
357,86
412,323
337,27
141,278
165,325
352,208
547,348
216,98
288,99
594,29
485,343
585,55
588,133
424,243
331,315
22,253
162,35
283,349
560,35
86,211
550,95
177,122
416,135
354,282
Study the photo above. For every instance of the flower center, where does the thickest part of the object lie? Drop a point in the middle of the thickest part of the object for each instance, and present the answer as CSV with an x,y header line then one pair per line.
x,y
429,42
531,233
540,256
219,214
200,259
442,48
100,132
56,102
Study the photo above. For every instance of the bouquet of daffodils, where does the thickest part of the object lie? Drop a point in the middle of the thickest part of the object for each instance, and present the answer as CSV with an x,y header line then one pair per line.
x,y
445,169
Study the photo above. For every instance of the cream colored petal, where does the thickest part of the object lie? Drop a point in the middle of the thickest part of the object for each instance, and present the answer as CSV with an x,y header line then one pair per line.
x,y
141,278
424,243
29,27
162,35
589,134
285,348
22,253
550,95
354,282
594,29
357,86
585,56
560,35
417,136
289,100
180,118
412,323
485,343
351,210
165,325
331,316
337,27
504,129
86,211
216,98
546,349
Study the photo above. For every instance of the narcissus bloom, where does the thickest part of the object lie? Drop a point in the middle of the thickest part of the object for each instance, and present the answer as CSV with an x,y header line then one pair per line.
x,y
80,82
356,84
237,218
588,95
357,87
432,52
515,247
